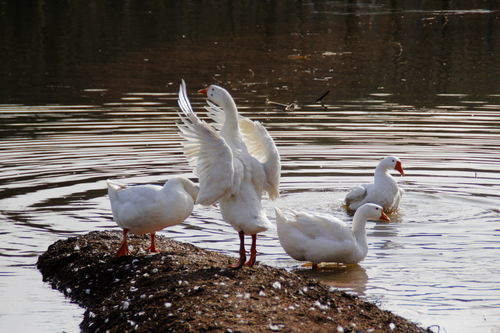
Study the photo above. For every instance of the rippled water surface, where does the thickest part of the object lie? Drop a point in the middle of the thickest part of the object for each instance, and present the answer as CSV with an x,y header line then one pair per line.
x,y
416,82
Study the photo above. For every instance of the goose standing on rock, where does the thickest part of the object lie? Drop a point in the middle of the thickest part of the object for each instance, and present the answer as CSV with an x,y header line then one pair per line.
x,y
146,209
235,166
384,191
324,238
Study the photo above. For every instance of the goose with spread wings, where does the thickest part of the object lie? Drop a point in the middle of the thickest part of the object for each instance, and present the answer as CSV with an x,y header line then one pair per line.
x,y
236,161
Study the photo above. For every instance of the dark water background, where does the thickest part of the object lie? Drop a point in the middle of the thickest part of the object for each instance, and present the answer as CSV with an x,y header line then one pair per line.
x,y
88,92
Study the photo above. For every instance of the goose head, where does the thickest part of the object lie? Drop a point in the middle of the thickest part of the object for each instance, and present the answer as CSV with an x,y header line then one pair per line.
x,y
371,211
216,94
392,162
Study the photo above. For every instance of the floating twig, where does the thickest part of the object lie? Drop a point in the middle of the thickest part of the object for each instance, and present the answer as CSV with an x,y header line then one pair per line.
x,y
287,107
320,99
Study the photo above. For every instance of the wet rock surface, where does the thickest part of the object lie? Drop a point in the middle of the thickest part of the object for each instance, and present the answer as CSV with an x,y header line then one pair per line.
x,y
188,289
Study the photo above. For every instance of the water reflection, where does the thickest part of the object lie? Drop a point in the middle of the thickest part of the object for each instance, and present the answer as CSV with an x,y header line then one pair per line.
x,y
386,230
345,277
53,185
346,47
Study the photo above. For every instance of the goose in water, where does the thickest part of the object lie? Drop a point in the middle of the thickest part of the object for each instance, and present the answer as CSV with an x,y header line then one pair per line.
x,y
146,209
324,238
236,161
384,191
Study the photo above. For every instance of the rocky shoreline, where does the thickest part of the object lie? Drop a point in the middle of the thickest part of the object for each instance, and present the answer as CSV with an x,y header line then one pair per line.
x,y
188,289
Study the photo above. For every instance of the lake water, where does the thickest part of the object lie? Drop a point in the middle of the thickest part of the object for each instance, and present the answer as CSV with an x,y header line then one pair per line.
x,y
88,92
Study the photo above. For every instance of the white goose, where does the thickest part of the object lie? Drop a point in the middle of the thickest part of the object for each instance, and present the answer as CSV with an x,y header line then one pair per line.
x,y
146,209
384,191
324,238
235,166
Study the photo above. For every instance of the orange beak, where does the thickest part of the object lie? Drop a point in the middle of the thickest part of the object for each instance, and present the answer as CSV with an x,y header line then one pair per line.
x,y
399,167
203,91
384,217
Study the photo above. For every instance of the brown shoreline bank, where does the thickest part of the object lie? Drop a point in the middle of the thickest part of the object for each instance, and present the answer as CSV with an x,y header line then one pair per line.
x,y
187,289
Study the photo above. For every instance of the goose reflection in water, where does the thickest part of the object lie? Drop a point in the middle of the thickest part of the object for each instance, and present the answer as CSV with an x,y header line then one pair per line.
x,y
346,277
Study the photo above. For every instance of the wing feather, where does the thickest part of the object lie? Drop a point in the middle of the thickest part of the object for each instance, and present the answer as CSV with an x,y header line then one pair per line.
x,y
316,225
207,152
357,194
322,225
216,114
261,146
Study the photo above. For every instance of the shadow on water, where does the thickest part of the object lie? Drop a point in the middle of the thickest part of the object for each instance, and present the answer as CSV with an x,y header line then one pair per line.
x,y
88,92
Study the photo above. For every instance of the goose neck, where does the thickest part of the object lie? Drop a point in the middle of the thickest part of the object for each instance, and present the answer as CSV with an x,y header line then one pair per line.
x,y
190,188
359,228
230,111
182,184
381,174
231,128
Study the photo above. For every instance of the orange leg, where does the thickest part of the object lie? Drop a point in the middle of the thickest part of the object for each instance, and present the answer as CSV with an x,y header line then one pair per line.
x,y
243,255
253,252
123,250
152,248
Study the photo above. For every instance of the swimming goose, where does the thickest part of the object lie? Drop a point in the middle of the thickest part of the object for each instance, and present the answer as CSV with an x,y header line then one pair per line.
x,y
384,191
324,238
146,209
235,165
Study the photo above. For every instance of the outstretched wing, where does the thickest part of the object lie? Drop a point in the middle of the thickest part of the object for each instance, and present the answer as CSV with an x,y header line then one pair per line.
x,y
207,153
216,113
261,146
